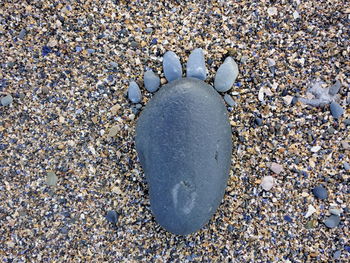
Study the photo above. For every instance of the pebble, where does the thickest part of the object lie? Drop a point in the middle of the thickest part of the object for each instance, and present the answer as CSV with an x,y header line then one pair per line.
x,y
229,100
336,110
332,221
288,99
177,179
271,62
271,11
22,34
347,166
134,92
276,168
347,122
51,178
345,145
226,75
196,65
310,210
258,121
171,66
152,81
337,254
320,192
112,216
7,100
315,149
267,183
296,14
334,89
335,211
149,30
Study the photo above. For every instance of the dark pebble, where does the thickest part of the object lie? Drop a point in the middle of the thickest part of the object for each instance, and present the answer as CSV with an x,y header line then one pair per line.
x,y
320,192
258,121
112,217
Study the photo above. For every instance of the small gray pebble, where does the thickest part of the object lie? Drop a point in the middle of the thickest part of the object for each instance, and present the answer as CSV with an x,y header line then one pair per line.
x,y
22,34
90,50
347,122
112,216
258,121
346,166
151,80
138,106
332,221
320,192
134,92
336,110
64,230
337,254
229,100
149,30
334,89
113,64
134,44
7,100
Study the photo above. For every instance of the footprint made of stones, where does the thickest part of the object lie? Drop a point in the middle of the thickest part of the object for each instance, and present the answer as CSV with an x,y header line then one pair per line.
x,y
183,141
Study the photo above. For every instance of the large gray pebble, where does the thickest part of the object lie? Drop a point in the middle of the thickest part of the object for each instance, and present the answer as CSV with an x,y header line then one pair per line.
x,y
336,110
196,65
183,141
151,80
172,66
332,221
7,100
226,75
134,92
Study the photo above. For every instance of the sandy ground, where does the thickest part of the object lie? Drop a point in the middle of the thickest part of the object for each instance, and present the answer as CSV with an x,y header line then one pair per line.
x,y
67,139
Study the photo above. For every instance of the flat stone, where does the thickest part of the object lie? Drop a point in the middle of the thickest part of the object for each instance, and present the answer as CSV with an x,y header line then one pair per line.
x,y
196,65
171,66
7,100
276,168
310,211
320,192
183,141
226,75
267,183
332,221
335,211
134,92
316,148
336,110
112,216
152,81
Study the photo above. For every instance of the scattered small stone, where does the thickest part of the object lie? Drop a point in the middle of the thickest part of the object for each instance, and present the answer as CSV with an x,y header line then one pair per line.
x,y
347,166
229,100
316,148
22,33
134,44
115,109
7,100
311,224
337,254
113,64
149,30
271,11
296,14
151,80
51,178
267,182
90,50
347,122
335,211
112,216
271,62
332,221
288,99
244,59
134,92
320,192
334,89
310,211
258,121
114,131
276,168
64,230
288,218
336,110
226,75
345,145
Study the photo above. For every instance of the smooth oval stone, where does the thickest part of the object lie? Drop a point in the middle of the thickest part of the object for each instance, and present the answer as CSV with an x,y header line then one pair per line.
x,y
229,100
134,92
183,140
152,81
332,221
320,192
7,100
195,67
172,66
226,75
336,110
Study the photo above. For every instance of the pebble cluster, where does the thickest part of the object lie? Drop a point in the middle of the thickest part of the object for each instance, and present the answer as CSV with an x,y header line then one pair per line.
x,y
67,129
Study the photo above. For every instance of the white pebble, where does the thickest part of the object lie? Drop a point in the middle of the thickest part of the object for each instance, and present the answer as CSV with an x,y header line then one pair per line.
x,y
296,14
271,11
267,183
310,211
315,149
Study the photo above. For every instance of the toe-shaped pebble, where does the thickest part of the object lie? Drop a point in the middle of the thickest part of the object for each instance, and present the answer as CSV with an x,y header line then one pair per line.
x,y
336,110
172,66
334,89
134,92
196,65
226,75
151,80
